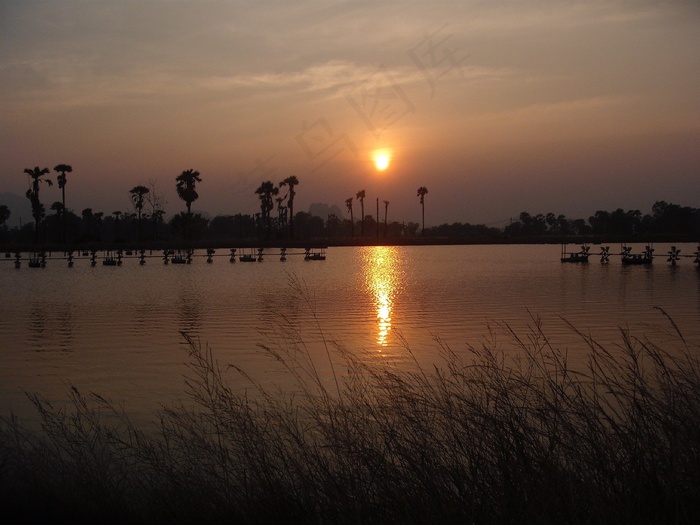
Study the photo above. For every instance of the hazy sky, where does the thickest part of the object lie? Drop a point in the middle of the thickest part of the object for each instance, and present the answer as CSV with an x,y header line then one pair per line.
x,y
495,106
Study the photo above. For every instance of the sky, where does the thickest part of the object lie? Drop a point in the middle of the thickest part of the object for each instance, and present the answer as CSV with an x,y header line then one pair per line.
x,y
496,107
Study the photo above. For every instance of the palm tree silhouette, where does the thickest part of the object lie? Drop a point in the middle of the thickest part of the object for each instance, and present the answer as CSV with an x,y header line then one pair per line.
x,y
386,211
348,203
38,210
62,169
361,197
265,193
186,190
186,187
281,211
137,197
421,193
291,181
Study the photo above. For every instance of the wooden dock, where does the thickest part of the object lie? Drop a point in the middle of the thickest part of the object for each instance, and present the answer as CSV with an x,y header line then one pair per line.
x,y
167,256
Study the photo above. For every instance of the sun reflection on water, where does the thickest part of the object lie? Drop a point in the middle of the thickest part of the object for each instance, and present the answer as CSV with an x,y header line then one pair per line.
x,y
382,279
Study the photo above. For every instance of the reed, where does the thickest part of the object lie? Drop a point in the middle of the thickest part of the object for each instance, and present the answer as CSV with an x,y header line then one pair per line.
x,y
503,432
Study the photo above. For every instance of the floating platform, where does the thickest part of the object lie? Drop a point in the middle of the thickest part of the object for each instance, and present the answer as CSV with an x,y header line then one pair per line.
x,y
575,257
627,258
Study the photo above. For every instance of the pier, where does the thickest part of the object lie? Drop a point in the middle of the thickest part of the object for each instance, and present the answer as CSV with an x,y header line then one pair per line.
x,y
39,259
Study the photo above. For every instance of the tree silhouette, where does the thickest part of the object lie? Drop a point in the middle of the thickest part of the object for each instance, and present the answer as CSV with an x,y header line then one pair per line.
x,y
265,192
38,210
186,187
156,200
281,211
62,169
137,194
421,193
186,190
361,197
386,211
348,203
291,181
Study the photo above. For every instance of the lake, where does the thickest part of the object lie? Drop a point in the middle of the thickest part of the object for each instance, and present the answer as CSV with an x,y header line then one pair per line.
x,y
116,330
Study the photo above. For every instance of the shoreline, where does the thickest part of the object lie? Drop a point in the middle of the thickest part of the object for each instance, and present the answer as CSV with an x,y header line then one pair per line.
x,y
328,243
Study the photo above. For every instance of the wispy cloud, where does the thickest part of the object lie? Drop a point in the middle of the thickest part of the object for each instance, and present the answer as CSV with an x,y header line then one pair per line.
x,y
332,75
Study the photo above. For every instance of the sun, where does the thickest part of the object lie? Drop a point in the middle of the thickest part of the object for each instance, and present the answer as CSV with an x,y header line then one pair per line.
x,y
382,159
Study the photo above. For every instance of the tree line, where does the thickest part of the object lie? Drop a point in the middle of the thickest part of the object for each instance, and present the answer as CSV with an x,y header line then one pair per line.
x,y
665,219
277,219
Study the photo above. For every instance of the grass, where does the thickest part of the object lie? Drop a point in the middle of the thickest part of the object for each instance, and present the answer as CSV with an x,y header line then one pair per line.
x,y
503,432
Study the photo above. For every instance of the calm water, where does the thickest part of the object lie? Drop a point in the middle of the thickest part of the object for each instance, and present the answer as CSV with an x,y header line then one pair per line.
x,y
116,330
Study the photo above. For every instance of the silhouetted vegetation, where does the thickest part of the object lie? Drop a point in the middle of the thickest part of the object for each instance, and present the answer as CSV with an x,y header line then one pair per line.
x,y
38,209
665,219
422,192
504,432
361,197
186,186
138,194
64,228
61,179
348,204
291,182
265,192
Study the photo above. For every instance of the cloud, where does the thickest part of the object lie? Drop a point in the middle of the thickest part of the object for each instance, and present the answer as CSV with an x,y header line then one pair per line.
x,y
157,82
332,75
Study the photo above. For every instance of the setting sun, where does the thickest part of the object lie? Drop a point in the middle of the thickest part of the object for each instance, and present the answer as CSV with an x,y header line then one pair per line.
x,y
382,159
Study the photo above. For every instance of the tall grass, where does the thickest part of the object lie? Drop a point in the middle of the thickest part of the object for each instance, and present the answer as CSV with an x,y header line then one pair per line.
x,y
504,432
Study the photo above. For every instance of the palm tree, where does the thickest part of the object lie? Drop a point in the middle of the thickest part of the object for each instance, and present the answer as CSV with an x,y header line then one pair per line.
x,y
386,211
421,193
265,193
348,203
361,197
291,181
33,196
62,169
137,197
281,211
186,187
186,190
